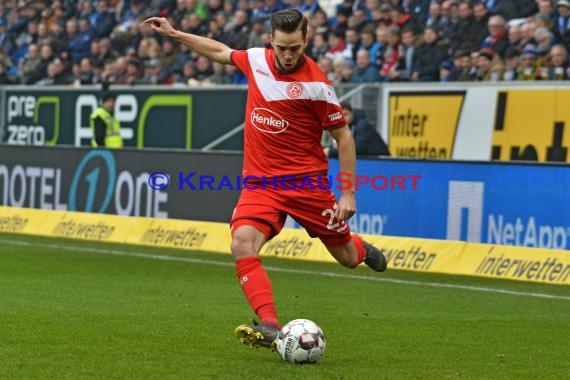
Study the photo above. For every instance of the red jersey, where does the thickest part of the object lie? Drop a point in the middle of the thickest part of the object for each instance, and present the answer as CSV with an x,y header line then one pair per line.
x,y
285,115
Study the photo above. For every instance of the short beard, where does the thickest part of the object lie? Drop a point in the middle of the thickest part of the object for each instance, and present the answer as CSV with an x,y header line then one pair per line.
x,y
285,70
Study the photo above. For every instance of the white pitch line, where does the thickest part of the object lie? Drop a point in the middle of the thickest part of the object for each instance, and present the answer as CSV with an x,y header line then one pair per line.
x,y
294,271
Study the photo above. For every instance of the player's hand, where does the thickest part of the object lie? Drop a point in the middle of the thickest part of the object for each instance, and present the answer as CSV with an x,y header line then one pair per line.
x,y
160,25
346,207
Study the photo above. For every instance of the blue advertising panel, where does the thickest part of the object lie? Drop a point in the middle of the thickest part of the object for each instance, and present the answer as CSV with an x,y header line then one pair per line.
x,y
498,203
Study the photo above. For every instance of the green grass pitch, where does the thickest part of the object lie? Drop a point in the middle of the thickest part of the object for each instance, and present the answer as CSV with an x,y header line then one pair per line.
x,y
85,310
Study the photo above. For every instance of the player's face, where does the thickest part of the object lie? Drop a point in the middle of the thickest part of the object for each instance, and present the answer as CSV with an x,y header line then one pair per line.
x,y
289,49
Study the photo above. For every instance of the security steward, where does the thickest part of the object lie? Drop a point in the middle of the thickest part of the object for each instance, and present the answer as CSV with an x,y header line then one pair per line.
x,y
106,129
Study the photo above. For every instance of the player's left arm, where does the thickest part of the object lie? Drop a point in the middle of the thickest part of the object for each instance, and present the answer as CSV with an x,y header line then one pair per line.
x,y
347,161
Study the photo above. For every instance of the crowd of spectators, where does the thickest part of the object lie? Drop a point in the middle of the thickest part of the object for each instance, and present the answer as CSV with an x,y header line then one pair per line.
x,y
75,42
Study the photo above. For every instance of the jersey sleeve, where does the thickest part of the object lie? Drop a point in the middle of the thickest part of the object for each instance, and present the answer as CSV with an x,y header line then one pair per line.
x,y
330,111
240,59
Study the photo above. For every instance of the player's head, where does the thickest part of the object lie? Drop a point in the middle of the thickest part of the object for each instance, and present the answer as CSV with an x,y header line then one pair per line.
x,y
288,38
347,111
289,21
108,101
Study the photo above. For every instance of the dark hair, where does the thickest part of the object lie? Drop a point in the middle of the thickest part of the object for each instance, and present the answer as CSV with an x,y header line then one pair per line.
x,y
345,104
107,96
289,21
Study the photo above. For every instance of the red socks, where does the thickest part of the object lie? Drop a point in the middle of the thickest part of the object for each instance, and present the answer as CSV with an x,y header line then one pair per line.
x,y
257,288
359,247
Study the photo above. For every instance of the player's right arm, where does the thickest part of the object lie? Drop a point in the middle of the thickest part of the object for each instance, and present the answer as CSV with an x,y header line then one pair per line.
x,y
212,49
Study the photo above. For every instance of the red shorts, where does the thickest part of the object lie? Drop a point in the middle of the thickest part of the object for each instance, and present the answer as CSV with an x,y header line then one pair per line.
x,y
313,208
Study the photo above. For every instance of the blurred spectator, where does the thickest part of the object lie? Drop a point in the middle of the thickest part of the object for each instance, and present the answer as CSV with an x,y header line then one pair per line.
x,y
391,53
103,21
352,44
154,74
365,71
343,70
134,72
115,71
4,78
434,15
482,16
358,20
406,62
79,38
512,62
381,34
7,43
367,141
236,77
168,54
336,45
320,22
429,56
515,36
498,38
465,72
489,66
97,67
449,19
320,47
529,68
132,15
446,71
546,9
203,68
46,56
511,9
182,57
254,38
187,74
215,32
106,53
238,35
527,34
85,72
29,64
219,75
326,66
368,42
543,39
467,36
562,23
418,9
196,25
558,69
56,74
383,16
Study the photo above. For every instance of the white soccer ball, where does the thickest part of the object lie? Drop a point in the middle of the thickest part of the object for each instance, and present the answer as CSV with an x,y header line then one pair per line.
x,y
301,341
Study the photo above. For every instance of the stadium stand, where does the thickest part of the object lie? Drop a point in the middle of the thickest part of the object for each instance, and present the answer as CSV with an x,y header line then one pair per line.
x,y
78,42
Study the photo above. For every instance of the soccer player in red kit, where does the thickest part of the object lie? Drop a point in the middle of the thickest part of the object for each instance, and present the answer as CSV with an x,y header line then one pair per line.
x,y
289,104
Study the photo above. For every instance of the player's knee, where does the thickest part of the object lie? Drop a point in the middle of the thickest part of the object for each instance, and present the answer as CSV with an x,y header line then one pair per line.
x,y
242,247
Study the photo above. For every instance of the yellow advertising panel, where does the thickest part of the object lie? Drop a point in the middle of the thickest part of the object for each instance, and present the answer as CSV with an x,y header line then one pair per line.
x,y
181,234
517,263
413,254
530,125
424,124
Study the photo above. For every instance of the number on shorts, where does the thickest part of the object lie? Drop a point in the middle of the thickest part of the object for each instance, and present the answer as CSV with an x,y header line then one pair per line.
x,y
330,213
